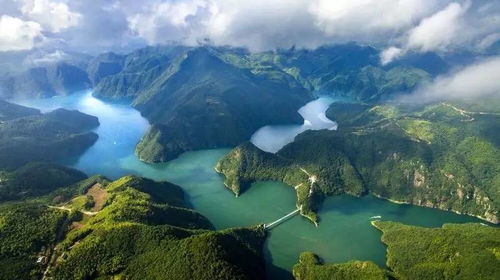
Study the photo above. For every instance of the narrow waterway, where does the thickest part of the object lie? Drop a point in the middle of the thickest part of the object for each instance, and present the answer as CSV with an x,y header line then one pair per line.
x,y
344,233
272,138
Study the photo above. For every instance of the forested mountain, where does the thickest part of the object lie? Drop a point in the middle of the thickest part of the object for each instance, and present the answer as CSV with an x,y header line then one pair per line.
x,y
438,156
56,221
197,98
26,135
206,97
194,97
132,227
44,81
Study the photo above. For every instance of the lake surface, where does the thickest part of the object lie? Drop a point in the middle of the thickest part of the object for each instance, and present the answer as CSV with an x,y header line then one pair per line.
x,y
272,138
344,233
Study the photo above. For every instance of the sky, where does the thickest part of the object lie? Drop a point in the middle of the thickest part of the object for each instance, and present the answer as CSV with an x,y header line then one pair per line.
x,y
397,26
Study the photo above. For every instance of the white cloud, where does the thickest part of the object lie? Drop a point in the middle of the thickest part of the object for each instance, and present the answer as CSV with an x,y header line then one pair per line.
x,y
437,31
172,18
416,25
53,16
368,17
38,59
460,25
16,34
488,41
390,54
263,24
476,80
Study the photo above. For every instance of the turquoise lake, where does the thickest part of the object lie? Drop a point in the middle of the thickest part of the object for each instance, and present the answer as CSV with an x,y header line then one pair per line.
x,y
344,232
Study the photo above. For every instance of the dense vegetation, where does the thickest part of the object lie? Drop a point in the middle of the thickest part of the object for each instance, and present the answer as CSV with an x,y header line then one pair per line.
x,y
455,251
435,156
310,267
35,179
196,98
26,231
351,70
27,136
216,97
143,230
206,97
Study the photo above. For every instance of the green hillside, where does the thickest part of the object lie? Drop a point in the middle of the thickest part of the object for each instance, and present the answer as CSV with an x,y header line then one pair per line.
x,y
26,232
466,251
310,267
454,251
131,228
208,97
197,98
435,156
35,179
27,136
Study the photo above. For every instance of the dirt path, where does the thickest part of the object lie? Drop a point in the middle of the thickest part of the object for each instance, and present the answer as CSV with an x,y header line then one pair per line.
x,y
99,195
64,208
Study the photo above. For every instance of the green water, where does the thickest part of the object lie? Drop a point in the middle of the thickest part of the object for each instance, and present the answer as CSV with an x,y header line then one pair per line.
x,y
344,233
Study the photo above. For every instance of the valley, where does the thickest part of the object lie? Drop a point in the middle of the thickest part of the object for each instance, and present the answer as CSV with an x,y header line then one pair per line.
x,y
344,232
249,140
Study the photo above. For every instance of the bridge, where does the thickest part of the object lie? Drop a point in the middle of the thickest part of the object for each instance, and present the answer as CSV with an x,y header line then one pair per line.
x,y
282,219
312,179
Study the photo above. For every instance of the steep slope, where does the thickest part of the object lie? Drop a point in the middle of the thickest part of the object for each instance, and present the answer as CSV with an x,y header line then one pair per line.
x,y
197,98
141,230
350,70
45,81
26,135
436,156
9,111
144,231
139,71
208,103
104,65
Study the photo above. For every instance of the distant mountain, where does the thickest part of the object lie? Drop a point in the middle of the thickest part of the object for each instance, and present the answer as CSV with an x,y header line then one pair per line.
x,y
207,97
198,98
26,135
351,70
45,81
429,62
104,65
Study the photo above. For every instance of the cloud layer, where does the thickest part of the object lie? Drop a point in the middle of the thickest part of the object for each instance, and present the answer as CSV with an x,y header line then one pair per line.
x,y
477,80
397,25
